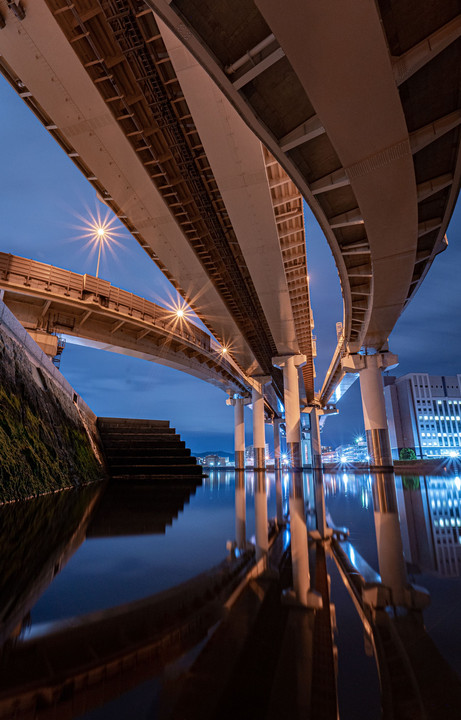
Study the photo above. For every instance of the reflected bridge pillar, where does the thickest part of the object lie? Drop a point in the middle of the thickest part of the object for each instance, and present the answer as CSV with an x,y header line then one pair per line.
x,y
261,527
240,509
278,472
392,566
370,368
299,541
388,538
290,365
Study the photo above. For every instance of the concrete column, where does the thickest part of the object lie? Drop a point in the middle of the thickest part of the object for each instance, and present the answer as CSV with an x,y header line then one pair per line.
x,y
290,364
369,368
391,560
261,528
277,449
240,509
239,434
316,444
259,436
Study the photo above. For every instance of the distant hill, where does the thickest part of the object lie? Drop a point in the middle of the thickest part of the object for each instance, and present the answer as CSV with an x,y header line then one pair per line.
x,y
219,453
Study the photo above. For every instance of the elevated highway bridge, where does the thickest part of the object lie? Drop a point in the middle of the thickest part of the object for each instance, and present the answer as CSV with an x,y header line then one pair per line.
x,y
193,186
357,105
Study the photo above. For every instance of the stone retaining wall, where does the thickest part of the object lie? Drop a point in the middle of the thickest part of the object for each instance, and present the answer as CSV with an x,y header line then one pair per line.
x,y
48,435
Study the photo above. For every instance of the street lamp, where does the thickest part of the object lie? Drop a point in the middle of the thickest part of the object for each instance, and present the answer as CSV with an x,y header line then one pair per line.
x,y
100,236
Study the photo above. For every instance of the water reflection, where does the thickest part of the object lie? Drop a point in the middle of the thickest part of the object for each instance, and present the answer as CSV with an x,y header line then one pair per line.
x,y
132,543
427,510
37,538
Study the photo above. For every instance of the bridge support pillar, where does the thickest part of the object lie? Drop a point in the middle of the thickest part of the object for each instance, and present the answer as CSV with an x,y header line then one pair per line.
x,y
290,364
369,368
277,448
239,434
259,435
316,445
240,509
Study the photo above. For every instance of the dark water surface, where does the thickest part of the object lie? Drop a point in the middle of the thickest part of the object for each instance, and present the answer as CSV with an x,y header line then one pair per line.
x,y
82,551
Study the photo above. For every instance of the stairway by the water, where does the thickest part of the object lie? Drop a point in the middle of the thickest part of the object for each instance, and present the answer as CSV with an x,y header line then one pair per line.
x,y
146,451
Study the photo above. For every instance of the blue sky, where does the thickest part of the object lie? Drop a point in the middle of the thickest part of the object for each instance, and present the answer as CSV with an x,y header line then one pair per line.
x,y
43,195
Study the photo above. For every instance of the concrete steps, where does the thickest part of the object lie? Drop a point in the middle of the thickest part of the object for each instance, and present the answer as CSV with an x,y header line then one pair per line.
x,y
146,451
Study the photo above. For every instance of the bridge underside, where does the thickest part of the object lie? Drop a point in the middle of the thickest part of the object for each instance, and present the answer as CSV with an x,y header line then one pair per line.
x,y
360,103
100,77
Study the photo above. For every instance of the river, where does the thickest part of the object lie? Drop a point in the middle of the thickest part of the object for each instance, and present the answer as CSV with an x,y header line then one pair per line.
x,y
81,551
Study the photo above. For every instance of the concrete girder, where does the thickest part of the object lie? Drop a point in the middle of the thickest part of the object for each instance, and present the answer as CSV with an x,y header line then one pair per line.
x,y
419,139
429,226
431,187
85,317
263,65
419,55
332,181
308,130
352,217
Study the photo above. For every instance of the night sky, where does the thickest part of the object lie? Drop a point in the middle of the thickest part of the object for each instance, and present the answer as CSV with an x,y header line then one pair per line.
x,y
43,200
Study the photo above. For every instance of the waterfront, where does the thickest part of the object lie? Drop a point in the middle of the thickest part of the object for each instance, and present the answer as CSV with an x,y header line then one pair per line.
x,y
118,552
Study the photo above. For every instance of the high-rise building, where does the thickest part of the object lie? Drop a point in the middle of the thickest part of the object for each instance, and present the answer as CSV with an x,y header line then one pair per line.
x,y
424,414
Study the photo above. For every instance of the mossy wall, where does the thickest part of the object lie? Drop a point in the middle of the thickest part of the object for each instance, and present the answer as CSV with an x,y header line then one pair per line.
x,y
44,445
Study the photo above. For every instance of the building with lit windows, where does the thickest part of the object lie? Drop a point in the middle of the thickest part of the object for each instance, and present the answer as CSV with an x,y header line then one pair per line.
x,y
424,414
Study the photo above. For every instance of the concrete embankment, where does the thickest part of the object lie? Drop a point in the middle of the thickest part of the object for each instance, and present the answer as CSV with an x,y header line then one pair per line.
x,y
48,435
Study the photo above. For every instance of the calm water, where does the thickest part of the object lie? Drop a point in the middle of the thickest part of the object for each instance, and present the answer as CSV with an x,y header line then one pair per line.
x,y
80,551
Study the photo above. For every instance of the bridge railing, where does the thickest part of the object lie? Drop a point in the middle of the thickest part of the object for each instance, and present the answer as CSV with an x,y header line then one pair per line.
x,y
24,272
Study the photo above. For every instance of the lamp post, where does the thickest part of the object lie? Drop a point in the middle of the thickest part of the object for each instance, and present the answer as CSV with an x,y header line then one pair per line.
x,y
100,235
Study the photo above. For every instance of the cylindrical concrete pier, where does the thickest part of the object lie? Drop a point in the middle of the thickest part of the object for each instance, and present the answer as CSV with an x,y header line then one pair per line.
x,y
374,413
239,434
259,437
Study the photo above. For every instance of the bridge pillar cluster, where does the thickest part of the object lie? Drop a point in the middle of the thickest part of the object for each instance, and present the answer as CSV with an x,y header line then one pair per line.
x,y
370,369
290,364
